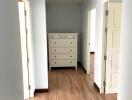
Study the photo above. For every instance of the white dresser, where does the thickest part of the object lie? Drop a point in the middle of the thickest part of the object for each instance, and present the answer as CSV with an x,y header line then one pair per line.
x,y
62,49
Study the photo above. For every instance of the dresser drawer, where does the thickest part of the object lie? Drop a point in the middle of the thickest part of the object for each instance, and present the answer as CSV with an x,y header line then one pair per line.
x,y
63,50
68,36
55,36
63,56
63,42
63,63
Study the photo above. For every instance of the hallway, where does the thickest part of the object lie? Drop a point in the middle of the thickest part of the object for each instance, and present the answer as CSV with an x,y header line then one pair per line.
x,y
69,84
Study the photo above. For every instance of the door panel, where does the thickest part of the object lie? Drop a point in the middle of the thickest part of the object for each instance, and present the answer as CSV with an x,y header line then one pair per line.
x,y
116,17
63,56
113,47
114,81
63,42
115,39
115,60
63,50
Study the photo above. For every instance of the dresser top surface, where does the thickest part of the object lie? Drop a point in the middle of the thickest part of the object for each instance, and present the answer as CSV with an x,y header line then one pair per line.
x,y
61,33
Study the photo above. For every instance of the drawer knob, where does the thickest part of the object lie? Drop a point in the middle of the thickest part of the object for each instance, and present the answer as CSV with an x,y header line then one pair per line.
x,y
54,56
54,42
71,50
70,56
55,62
55,50
71,62
71,42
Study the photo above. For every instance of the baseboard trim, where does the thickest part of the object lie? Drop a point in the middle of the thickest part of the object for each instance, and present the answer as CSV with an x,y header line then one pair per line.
x,y
96,86
41,91
82,67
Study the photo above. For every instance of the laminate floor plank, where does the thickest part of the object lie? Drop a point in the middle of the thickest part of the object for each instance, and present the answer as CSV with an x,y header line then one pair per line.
x,y
69,84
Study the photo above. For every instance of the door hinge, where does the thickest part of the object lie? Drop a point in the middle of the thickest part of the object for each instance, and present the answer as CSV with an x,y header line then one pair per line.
x,y
28,60
26,31
89,43
104,83
107,12
105,57
106,29
29,87
25,13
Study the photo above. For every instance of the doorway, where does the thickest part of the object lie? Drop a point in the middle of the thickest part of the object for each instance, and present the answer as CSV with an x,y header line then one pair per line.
x,y
92,39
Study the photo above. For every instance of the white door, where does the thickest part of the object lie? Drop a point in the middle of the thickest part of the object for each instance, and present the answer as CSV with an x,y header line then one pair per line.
x,y
113,46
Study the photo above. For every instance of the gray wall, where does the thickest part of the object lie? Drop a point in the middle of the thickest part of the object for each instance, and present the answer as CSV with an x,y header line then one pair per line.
x,y
64,17
40,43
11,84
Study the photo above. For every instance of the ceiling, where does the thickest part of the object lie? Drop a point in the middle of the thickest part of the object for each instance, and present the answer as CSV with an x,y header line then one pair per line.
x,y
76,1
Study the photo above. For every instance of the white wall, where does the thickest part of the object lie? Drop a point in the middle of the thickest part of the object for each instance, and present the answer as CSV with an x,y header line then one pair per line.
x,y
38,14
92,33
11,81
87,6
125,79
64,17
98,51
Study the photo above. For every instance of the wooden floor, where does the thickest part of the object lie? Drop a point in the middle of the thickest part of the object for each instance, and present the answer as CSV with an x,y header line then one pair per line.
x,y
69,84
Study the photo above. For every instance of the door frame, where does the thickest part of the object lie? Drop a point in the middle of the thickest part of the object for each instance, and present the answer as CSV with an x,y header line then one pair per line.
x,y
104,49
30,52
28,43
89,40
24,50
88,43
